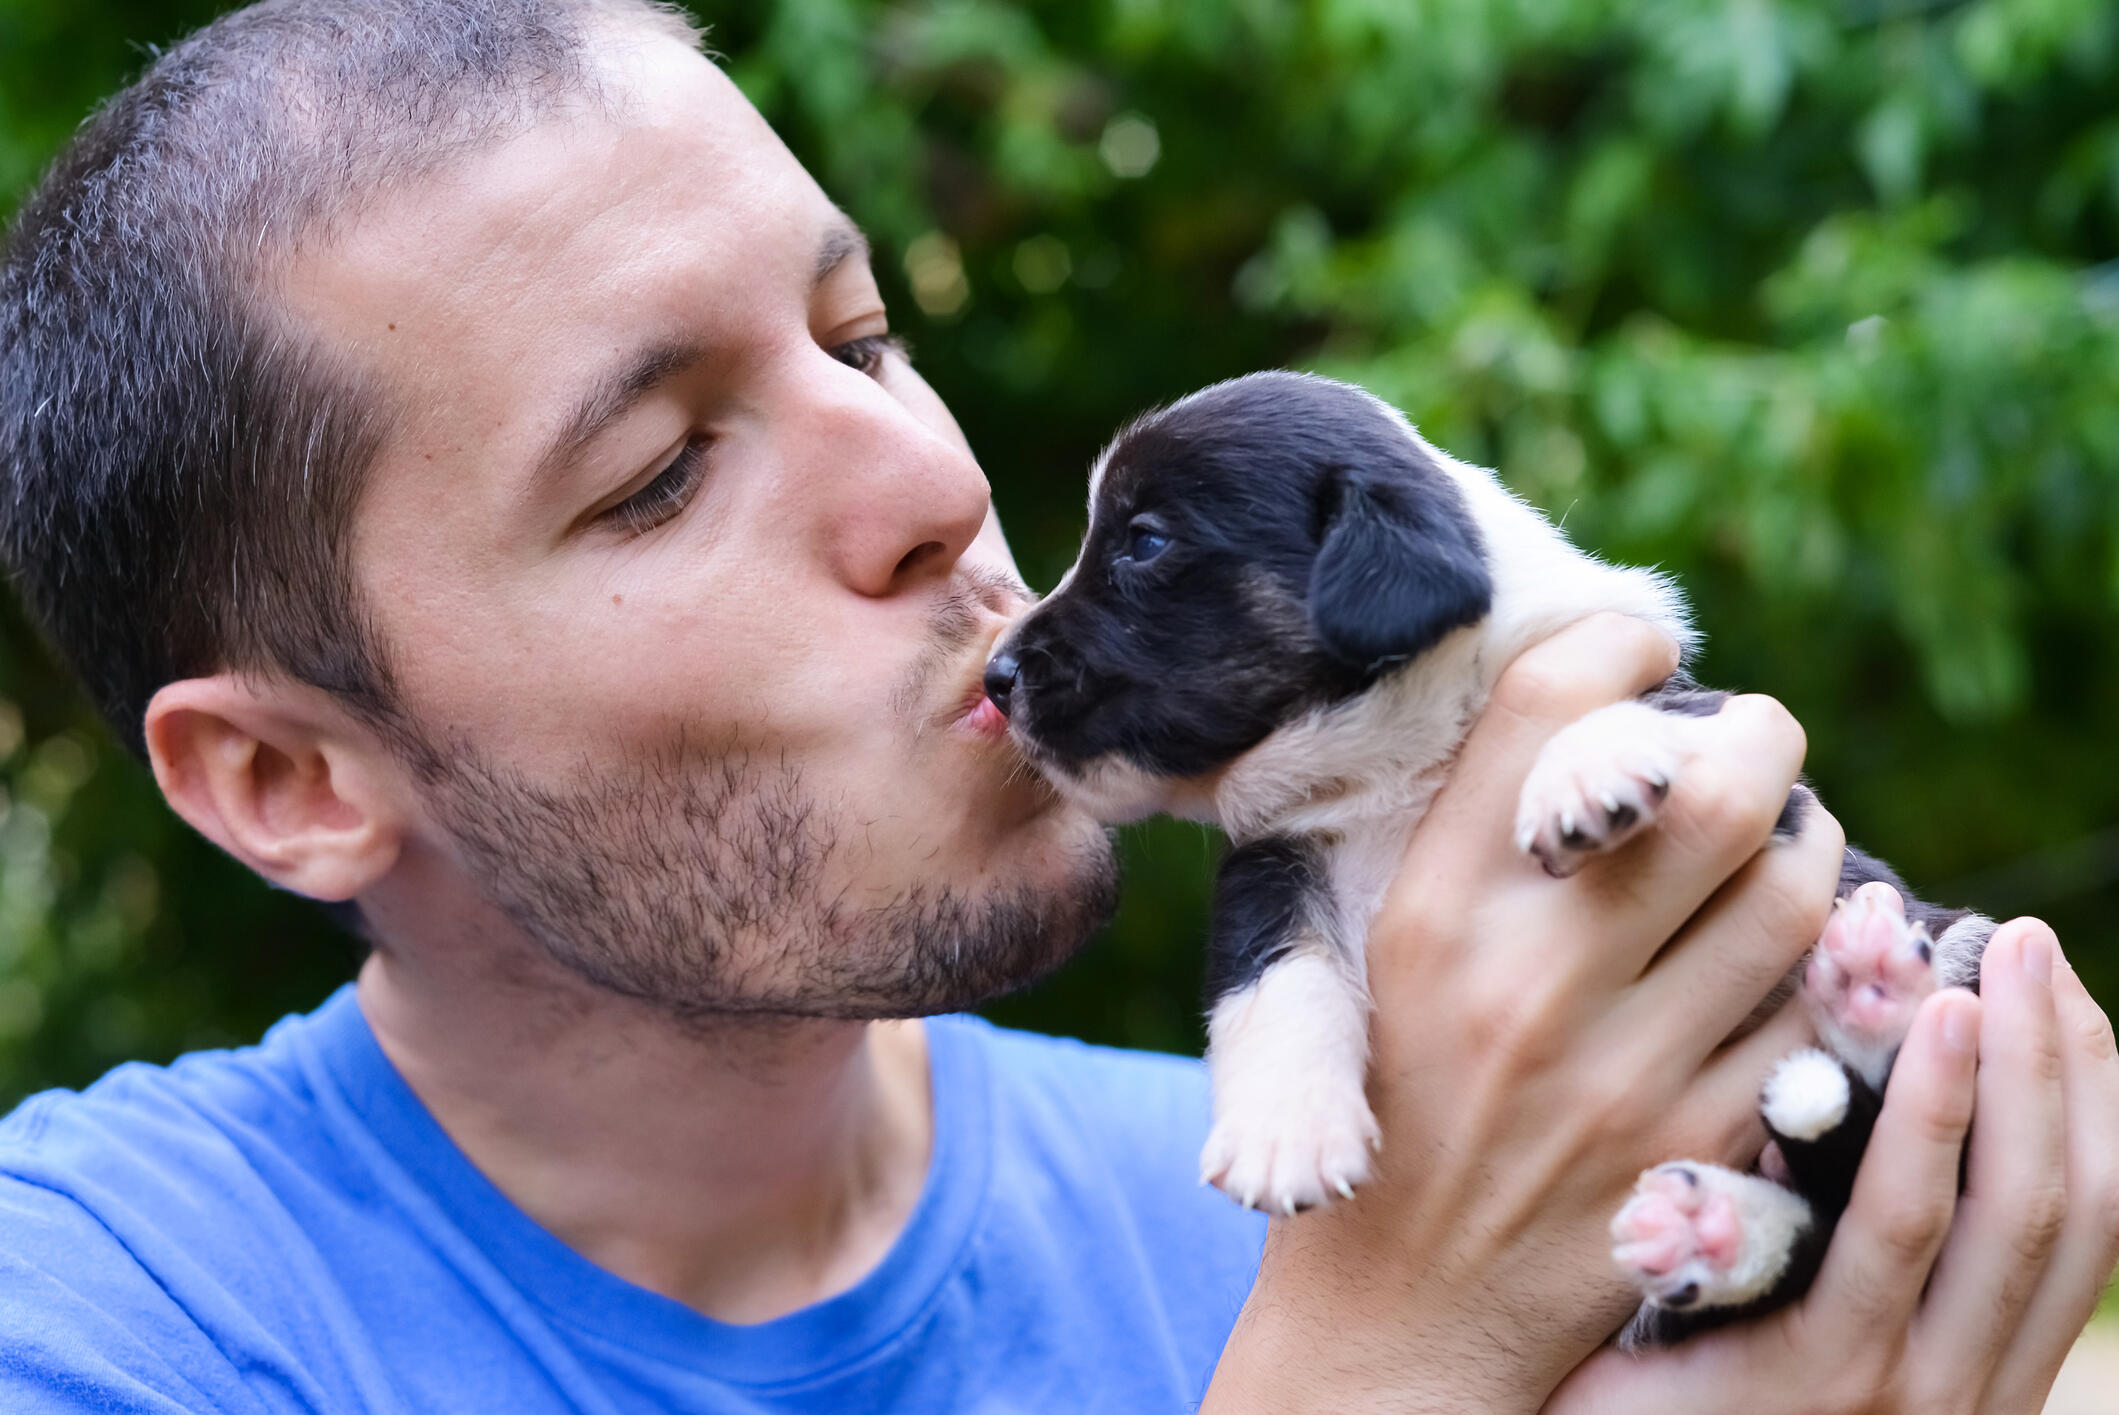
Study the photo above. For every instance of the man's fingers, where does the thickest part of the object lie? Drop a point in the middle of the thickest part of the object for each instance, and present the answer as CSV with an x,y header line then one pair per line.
x,y
1745,939
2089,1236
1906,1191
2015,1197
1604,659
1731,788
1718,1119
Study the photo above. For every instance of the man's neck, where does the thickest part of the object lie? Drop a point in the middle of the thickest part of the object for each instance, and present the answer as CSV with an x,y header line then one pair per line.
x,y
746,1169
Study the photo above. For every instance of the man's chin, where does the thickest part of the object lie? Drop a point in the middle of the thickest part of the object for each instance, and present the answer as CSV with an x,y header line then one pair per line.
x,y
935,951
703,888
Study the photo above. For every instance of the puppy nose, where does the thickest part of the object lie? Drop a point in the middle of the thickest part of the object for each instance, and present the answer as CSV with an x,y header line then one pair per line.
x,y
1000,678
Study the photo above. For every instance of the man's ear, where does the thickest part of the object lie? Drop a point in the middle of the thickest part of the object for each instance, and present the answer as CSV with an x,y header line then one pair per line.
x,y
279,776
1399,567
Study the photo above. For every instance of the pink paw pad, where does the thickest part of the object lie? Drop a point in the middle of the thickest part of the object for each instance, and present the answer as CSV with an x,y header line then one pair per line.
x,y
1870,969
1676,1234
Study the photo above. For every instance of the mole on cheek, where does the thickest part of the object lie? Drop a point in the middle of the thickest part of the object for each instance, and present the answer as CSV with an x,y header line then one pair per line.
x,y
618,599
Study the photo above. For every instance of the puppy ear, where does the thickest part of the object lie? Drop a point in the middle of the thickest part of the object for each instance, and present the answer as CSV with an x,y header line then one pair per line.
x,y
1400,567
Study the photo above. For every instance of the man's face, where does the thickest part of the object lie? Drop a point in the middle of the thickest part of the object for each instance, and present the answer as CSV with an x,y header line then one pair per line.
x,y
687,578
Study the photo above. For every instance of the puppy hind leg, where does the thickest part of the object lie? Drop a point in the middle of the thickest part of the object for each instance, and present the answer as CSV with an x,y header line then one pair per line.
x,y
1820,1112
1288,1053
1695,1237
1873,966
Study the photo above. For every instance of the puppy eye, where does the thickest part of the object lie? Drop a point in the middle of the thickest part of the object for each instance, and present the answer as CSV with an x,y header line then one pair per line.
x,y
1145,542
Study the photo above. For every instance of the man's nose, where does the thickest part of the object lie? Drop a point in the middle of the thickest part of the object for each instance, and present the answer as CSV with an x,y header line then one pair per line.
x,y
1001,672
909,497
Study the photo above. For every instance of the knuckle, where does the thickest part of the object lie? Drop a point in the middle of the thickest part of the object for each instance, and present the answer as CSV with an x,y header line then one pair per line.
x,y
2104,1211
1822,831
1598,660
1639,645
2036,1222
1792,895
2048,1062
1928,1396
1717,803
1522,1026
1864,1383
1517,1027
1910,1229
1940,1120
1616,1104
1538,684
1769,725
2093,1033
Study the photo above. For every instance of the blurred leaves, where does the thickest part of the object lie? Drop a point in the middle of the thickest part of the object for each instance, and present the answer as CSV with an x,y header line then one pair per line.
x,y
1813,302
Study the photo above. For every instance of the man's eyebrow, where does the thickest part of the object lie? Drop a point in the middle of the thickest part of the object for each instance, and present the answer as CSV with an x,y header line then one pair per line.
x,y
619,391
612,396
842,240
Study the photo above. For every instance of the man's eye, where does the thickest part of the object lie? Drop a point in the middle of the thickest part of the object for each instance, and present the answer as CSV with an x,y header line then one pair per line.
x,y
1145,543
664,496
868,352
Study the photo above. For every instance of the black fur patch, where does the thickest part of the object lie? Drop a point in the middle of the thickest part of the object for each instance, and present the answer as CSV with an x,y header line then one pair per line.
x,y
1396,572
1264,900
1303,544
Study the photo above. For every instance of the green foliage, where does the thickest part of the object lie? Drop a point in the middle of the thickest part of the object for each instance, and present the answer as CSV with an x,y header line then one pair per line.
x,y
1813,302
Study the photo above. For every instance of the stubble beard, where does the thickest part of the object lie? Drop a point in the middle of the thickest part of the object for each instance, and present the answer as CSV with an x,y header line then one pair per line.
x,y
700,882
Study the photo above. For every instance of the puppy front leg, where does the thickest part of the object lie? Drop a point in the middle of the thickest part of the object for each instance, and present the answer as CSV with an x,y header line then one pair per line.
x,y
1599,781
1287,1036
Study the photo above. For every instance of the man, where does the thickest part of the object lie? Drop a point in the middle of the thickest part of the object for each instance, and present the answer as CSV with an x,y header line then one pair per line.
x,y
461,450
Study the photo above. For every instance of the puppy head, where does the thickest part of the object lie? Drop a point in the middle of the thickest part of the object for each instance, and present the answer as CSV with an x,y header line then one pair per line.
x,y
1260,549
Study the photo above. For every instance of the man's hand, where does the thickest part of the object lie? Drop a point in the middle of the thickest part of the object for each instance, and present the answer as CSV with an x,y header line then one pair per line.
x,y
1537,1044
2016,1263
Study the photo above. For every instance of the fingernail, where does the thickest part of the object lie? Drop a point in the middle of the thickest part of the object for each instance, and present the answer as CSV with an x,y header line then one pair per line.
x,y
1960,1025
2037,956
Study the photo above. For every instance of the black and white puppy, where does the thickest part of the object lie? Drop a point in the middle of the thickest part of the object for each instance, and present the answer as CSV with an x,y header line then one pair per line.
x,y
1287,612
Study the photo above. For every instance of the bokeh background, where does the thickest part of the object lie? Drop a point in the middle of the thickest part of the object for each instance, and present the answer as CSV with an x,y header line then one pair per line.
x,y
1812,302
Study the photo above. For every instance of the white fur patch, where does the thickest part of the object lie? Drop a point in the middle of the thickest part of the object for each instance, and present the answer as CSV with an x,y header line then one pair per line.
x,y
1959,951
1806,1095
1116,791
1292,1126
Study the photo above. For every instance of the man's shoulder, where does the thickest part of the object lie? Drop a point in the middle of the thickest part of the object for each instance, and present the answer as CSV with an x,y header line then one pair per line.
x,y
196,1117
133,1211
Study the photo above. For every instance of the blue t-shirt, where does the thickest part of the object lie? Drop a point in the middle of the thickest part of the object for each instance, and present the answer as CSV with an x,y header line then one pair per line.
x,y
286,1228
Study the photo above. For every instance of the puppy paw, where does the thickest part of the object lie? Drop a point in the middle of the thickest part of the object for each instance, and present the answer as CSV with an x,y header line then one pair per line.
x,y
1290,1152
1696,1235
1806,1096
1597,782
1867,977
1289,1056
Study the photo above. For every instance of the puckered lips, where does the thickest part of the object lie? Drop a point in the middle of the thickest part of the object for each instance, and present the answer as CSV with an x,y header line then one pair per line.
x,y
973,713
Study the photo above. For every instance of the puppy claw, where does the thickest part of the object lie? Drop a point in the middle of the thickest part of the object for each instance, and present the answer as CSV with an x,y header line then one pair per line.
x,y
1297,1157
1288,1055
1596,783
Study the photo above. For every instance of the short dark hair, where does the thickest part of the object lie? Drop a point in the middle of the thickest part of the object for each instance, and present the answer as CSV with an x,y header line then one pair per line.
x,y
179,463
